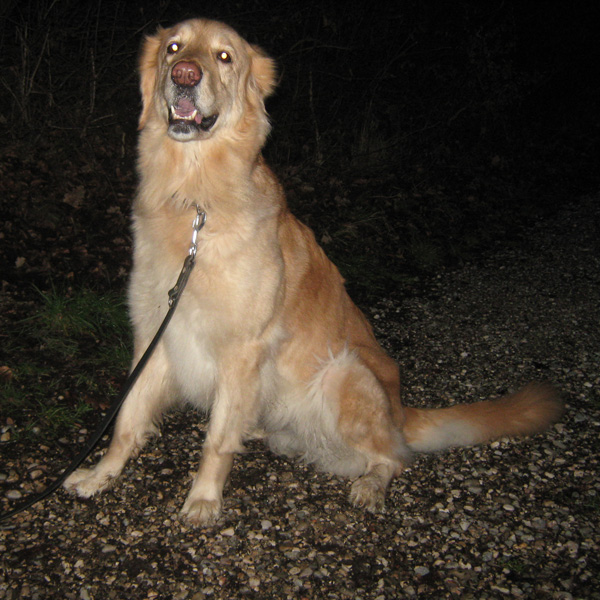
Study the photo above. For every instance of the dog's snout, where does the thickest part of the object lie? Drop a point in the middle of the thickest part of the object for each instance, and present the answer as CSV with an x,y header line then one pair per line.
x,y
186,73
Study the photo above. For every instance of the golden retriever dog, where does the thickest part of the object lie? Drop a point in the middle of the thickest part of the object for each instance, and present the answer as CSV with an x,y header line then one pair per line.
x,y
265,338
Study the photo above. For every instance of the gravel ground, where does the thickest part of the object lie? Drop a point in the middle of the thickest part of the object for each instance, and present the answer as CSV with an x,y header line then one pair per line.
x,y
516,519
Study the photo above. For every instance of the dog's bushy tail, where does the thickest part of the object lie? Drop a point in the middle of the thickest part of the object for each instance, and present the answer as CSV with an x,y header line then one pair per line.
x,y
530,410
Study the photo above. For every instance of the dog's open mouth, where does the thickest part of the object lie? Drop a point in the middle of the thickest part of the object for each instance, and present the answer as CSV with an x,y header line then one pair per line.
x,y
184,118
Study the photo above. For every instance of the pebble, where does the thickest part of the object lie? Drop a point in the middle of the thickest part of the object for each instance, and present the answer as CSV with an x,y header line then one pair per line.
x,y
14,494
464,525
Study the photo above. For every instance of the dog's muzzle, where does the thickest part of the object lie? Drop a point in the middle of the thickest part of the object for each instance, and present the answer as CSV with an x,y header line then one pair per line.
x,y
185,120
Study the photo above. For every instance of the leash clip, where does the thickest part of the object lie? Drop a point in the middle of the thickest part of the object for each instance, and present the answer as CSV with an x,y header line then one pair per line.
x,y
198,224
188,263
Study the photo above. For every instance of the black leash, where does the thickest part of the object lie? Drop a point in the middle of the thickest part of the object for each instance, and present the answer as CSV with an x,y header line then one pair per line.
x,y
174,295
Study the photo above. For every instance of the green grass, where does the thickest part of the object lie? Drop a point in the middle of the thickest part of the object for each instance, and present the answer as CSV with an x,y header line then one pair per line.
x,y
82,313
514,564
64,361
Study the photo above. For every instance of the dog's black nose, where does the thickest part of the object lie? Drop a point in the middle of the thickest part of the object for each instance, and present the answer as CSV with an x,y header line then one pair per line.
x,y
187,74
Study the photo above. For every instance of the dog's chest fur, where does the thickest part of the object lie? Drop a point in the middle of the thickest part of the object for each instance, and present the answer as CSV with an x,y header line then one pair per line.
x,y
228,300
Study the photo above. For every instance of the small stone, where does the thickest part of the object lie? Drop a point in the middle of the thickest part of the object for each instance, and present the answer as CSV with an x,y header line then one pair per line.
x,y
572,547
421,571
84,594
14,494
502,590
538,524
229,532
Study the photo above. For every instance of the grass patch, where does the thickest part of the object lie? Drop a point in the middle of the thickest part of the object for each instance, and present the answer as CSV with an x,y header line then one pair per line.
x,y
516,565
83,313
35,406
65,360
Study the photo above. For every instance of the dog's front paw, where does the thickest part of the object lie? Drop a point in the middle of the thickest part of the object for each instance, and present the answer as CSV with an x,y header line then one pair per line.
x,y
201,512
87,482
368,493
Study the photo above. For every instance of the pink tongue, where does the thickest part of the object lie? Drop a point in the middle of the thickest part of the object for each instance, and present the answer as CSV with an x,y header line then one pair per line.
x,y
184,108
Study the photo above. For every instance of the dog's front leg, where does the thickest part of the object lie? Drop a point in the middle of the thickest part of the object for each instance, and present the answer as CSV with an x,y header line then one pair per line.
x,y
233,414
136,422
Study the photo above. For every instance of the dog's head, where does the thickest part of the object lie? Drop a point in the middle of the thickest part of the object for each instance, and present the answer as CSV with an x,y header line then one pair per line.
x,y
200,77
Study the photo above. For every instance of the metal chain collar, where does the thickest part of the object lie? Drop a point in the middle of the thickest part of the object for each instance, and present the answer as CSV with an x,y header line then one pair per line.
x,y
198,224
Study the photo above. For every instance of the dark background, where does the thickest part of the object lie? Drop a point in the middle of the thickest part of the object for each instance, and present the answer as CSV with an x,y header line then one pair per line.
x,y
410,135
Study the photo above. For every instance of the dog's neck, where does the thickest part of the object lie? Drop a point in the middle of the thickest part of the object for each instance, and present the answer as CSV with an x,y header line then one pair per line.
x,y
202,171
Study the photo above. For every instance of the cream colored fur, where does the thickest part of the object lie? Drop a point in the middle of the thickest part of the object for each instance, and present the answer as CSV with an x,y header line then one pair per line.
x,y
265,336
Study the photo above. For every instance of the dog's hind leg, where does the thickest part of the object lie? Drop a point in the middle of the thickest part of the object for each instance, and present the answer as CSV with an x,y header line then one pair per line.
x,y
365,424
136,422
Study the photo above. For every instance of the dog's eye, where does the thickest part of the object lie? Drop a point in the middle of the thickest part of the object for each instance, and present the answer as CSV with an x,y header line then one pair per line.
x,y
173,48
224,56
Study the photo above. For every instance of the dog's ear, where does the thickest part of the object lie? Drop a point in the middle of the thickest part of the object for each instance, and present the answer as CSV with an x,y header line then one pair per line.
x,y
148,66
264,71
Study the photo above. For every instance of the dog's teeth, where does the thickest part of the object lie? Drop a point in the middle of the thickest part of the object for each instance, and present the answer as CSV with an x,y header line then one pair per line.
x,y
175,115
